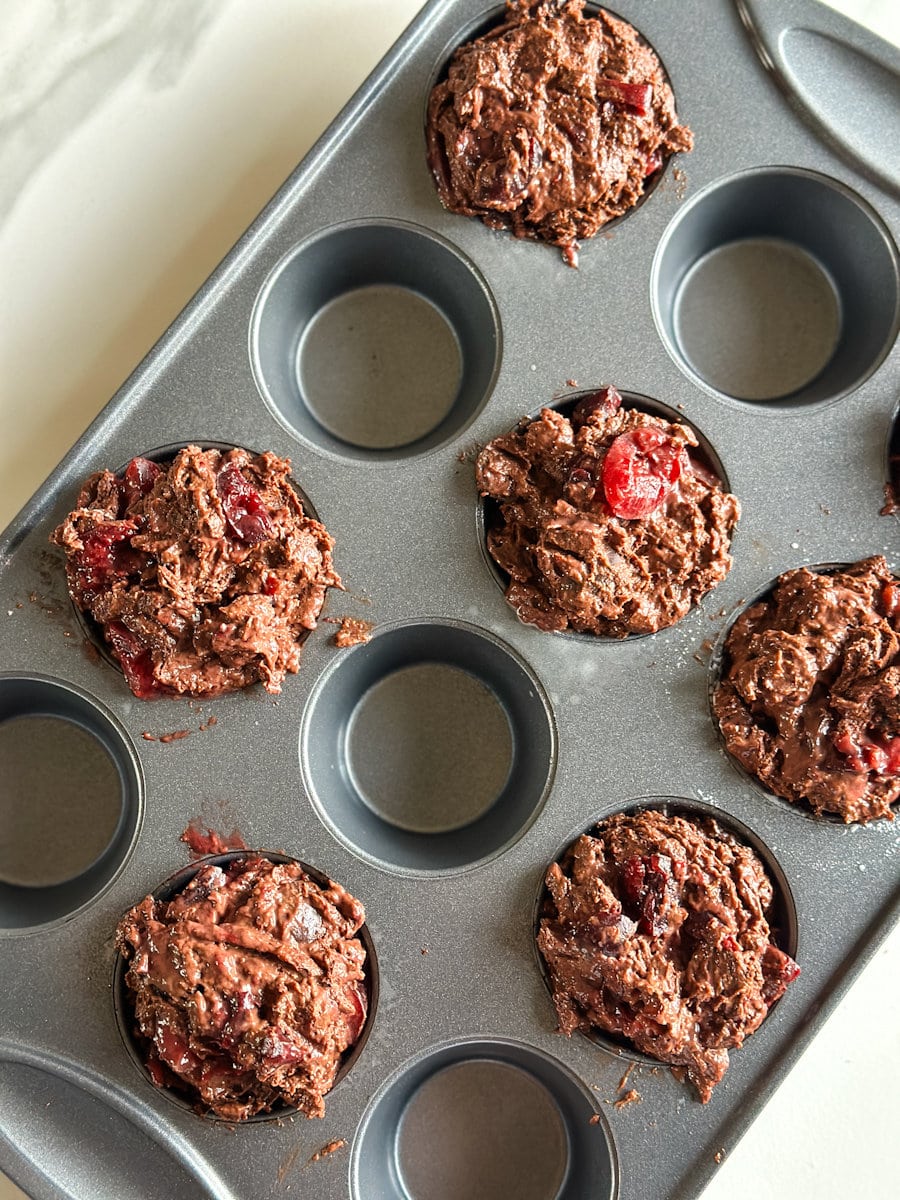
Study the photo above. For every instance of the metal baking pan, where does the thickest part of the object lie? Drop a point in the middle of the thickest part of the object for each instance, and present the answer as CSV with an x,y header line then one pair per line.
x,y
463,1049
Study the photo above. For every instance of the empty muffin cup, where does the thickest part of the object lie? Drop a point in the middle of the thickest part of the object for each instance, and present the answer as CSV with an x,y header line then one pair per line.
x,y
581,575
778,287
375,340
800,690
246,1045
640,916
482,1118
429,749
71,801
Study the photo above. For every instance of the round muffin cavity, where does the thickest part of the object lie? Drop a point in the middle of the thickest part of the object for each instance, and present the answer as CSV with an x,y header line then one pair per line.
x,y
248,986
608,522
552,124
655,928
809,696
204,573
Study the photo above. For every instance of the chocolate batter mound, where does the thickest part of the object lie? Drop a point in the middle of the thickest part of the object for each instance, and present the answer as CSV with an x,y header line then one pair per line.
x,y
606,523
656,929
204,574
809,700
247,987
551,124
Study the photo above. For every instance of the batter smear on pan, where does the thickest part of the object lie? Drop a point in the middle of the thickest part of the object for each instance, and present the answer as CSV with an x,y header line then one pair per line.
x,y
552,124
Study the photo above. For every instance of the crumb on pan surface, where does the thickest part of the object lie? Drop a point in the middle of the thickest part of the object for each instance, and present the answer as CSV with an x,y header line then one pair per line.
x,y
204,573
656,929
247,987
552,123
608,522
809,697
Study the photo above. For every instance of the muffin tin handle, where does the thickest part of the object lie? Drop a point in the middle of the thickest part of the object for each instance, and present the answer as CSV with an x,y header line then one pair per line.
x,y
842,79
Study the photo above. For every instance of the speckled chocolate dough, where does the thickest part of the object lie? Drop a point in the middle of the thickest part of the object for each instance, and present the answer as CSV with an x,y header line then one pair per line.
x,y
656,930
247,987
552,123
608,523
205,573
809,700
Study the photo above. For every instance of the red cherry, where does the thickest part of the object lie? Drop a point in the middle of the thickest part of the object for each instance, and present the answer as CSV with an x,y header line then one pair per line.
x,y
636,96
357,1019
890,599
135,660
778,970
247,516
139,478
106,555
639,470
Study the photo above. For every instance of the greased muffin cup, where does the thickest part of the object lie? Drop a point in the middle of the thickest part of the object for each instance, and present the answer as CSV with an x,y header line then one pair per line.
x,y
436,769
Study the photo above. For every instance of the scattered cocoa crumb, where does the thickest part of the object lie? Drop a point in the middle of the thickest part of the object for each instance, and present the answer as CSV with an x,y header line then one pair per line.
x,y
209,724
352,631
630,1097
571,383
680,407
595,1119
624,1079
148,737
825,509
891,502
201,840
424,949
175,736
697,657
680,178
719,1156
328,1148
20,604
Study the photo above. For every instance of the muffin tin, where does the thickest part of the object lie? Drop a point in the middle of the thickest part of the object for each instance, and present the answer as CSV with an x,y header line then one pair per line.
x,y
482,329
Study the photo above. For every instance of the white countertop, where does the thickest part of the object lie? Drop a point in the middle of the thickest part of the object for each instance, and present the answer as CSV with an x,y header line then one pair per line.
x,y
138,138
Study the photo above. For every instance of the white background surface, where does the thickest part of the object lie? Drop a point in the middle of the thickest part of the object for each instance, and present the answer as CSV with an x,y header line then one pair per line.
x,y
138,138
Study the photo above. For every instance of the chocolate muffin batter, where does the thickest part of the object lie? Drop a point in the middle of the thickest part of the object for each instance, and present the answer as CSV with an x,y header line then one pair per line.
x,y
809,700
551,124
656,929
248,986
606,523
204,573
